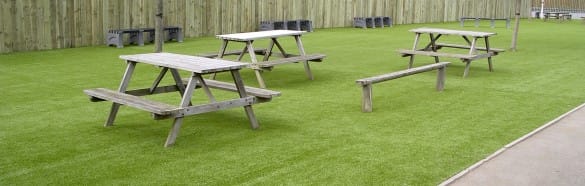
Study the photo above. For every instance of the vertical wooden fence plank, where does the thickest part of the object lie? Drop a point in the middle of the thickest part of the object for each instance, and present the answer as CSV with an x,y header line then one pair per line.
x,y
32,24
8,26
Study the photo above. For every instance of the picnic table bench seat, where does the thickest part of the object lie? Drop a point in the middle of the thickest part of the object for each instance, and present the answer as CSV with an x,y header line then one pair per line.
x,y
405,52
162,110
158,108
263,94
259,51
310,57
494,50
286,58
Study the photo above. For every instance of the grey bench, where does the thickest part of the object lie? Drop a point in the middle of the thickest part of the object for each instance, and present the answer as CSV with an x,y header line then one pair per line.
x,y
366,83
372,22
116,37
298,24
171,33
136,35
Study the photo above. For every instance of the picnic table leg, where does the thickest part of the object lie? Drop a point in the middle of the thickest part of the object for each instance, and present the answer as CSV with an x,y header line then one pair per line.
x,y
254,60
242,53
302,53
179,82
205,88
176,77
122,88
242,92
487,47
433,46
269,50
174,132
221,53
280,47
473,46
467,64
467,40
471,51
416,39
156,82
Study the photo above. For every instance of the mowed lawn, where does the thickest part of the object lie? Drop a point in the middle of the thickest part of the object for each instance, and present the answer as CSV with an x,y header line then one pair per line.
x,y
314,134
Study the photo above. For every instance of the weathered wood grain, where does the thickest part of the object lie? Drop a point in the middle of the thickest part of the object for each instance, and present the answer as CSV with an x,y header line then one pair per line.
x,y
495,50
310,57
133,101
253,91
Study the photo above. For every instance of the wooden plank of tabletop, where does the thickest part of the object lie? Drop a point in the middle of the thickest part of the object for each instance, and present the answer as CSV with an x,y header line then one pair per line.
x,y
452,32
195,64
248,36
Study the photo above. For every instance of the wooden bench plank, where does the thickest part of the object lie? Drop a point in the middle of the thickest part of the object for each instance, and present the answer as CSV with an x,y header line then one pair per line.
x,y
312,57
221,105
258,92
495,50
99,94
406,52
366,83
195,64
260,51
402,73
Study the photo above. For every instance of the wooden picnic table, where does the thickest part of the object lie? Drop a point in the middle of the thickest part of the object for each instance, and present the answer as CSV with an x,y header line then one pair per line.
x,y
557,15
471,39
197,66
248,39
492,21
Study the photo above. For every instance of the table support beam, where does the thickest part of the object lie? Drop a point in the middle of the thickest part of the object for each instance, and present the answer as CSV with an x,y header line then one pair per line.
x,y
254,60
174,132
122,88
487,47
302,53
242,92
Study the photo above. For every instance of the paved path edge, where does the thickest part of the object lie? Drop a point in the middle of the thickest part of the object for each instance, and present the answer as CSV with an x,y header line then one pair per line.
x,y
506,147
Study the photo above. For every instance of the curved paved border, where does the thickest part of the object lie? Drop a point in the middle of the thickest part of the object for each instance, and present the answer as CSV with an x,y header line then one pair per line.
x,y
475,166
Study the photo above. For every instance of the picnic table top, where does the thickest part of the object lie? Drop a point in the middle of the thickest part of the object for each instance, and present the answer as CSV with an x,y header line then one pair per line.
x,y
557,13
248,36
185,62
452,32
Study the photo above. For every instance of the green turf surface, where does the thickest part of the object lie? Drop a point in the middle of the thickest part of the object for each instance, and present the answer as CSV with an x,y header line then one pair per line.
x,y
314,134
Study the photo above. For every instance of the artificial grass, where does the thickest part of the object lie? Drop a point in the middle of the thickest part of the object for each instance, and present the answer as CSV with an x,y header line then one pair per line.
x,y
314,134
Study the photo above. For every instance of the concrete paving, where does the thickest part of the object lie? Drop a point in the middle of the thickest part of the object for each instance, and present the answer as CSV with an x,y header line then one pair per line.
x,y
553,154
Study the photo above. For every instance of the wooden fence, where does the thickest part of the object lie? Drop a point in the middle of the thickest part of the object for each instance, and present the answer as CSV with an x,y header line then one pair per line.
x,y
48,24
